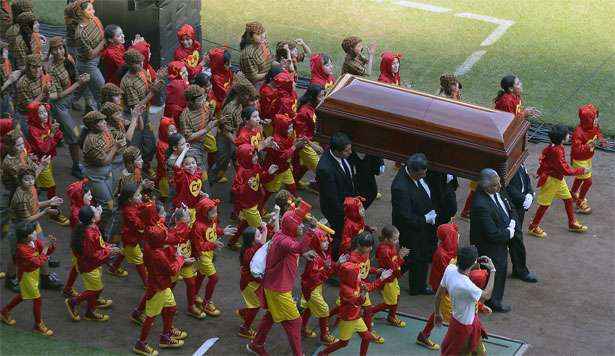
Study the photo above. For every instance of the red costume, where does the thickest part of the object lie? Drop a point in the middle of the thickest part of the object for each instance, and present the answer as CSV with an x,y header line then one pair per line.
x,y
74,191
319,76
448,236
285,141
266,102
305,121
41,139
162,145
285,96
553,164
112,58
175,101
248,183
187,187
511,103
354,222
190,56
249,136
386,72
144,48
221,77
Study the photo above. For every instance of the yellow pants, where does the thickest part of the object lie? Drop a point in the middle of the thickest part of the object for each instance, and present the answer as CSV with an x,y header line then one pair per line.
x,y
553,189
446,307
308,158
45,178
252,216
28,285
163,187
205,264
249,295
160,300
367,302
348,327
209,143
93,280
187,271
192,213
585,164
281,305
133,254
317,304
284,178
390,292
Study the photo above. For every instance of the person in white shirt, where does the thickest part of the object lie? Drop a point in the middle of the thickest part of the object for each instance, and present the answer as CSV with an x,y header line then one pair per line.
x,y
465,330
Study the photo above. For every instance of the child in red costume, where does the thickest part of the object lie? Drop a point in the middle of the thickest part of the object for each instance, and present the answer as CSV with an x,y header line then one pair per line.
x,y
251,131
30,255
285,96
267,100
389,68
167,127
321,67
354,222
509,98
551,172
188,181
582,152
91,252
175,101
163,262
252,240
316,272
189,50
204,237
221,76
305,126
112,55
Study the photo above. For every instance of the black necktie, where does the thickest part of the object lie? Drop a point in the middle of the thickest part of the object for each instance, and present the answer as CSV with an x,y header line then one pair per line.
x,y
503,213
346,170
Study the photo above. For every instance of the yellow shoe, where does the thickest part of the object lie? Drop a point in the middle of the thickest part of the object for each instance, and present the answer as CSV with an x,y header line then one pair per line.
x,y
377,338
577,227
178,334
211,309
537,231
60,220
195,312
249,333
583,207
309,333
95,316
42,329
427,343
397,322
144,349
118,272
168,342
7,319
328,339
72,309
199,302
102,303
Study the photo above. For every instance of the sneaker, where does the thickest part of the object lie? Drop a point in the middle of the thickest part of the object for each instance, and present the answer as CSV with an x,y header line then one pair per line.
x,y
102,303
60,219
577,227
51,281
328,339
69,293
247,333
256,349
168,342
395,321
211,309
42,329
71,306
7,319
427,343
377,338
137,317
95,316
583,207
537,231
198,301
118,272
144,349
195,312
309,333
178,334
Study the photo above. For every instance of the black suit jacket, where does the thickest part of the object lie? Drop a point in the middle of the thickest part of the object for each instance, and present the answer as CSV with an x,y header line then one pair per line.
x,y
365,178
443,195
519,186
333,185
410,204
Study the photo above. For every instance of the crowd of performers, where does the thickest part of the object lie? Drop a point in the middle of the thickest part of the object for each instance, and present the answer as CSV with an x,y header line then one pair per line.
x,y
150,194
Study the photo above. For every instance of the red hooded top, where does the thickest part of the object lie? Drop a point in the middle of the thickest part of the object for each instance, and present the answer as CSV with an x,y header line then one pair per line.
x,y
95,252
74,191
41,139
248,182
285,96
387,255
266,102
305,121
283,155
354,223
552,163
319,269
386,72
204,232
252,136
221,77
245,275
175,101
351,298
144,48
190,56
161,262
585,132
132,226
112,58
162,145
283,254
366,269
445,252
28,258
187,186
511,103
319,76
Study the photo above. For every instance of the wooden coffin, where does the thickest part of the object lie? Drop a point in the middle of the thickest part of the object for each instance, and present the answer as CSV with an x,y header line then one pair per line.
x,y
394,122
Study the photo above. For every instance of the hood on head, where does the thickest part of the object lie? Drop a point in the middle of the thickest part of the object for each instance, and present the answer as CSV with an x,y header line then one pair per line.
x,y
244,155
284,81
216,60
74,191
281,123
479,277
352,205
149,214
156,237
145,49
448,236
203,207
174,69
290,222
317,66
386,61
33,119
349,273
317,236
587,115
163,128
186,30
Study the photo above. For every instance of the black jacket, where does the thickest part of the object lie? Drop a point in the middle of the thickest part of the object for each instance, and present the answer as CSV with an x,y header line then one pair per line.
x,y
365,177
443,195
410,204
519,186
333,186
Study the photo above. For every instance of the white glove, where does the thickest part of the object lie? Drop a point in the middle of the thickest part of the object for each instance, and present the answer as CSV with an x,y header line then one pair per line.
x,y
386,274
511,227
382,169
430,217
449,178
527,203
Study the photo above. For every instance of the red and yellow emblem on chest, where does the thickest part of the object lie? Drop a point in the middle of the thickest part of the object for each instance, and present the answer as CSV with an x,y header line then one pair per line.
x,y
364,269
210,234
254,182
185,249
193,59
255,140
195,187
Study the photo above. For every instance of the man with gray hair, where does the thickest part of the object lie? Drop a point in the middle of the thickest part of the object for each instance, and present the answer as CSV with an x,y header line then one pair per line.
x,y
492,226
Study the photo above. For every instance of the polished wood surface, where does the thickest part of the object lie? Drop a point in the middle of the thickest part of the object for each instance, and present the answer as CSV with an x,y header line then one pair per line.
x,y
395,122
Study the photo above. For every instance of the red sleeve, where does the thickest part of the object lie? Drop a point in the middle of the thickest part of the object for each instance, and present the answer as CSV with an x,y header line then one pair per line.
x,y
219,230
348,296
242,138
579,146
131,218
294,246
92,250
168,262
179,234
197,237
505,104
565,168
27,259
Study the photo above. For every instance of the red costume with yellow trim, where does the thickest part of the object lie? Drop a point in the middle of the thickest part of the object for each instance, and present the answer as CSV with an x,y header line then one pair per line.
x,y
190,56
175,101
354,222
187,187
318,73
386,71
511,103
43,139
281,156
221,77
162,145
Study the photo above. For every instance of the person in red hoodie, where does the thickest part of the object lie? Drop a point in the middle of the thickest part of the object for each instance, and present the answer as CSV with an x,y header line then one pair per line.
x,y
165,129
251,131
247,189
112,54
551,172
509,98
307,158
316,272
189,50
281,272
389,68
188,180
221,76
175,101
43,137
584,140
92,252
30,255
354,222
285,96
267,100
321,67
163,262
204,237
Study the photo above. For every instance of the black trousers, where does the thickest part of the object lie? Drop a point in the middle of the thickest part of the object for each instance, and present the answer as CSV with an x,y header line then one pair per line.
x,y
417,276
337,223
516,248
500,260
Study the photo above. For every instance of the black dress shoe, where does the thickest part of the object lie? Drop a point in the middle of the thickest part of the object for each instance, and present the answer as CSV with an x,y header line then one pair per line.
x,y
51,281
528,278
425,291
500,308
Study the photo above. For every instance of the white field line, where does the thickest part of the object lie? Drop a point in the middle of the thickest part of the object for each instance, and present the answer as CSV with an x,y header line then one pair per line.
x,y
421,6
503,26
469,63
205,346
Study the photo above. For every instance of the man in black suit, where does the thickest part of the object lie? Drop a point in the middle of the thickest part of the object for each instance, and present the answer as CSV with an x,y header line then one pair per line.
x,y
492,226
521,195
335,182
415,217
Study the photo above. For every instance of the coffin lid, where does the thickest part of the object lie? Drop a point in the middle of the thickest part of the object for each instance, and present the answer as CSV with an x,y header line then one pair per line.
x,y
362,99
